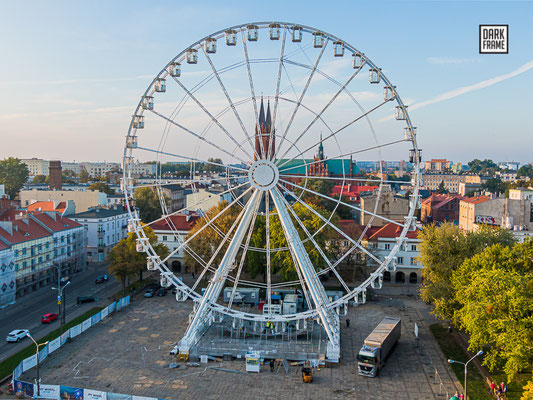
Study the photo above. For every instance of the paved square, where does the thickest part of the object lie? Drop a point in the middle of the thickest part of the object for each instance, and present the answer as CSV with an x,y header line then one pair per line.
x,y
129,353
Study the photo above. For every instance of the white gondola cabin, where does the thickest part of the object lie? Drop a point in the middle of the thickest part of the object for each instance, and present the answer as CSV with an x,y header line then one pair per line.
x,y
274,31
412,155
407,133
338,49
161,85
174,69
318,39
389,92
231,37
148,102
252,33
138,122
296,34
131,142
400,113
192,56
357,60
375,75
210,45
140,245
377,283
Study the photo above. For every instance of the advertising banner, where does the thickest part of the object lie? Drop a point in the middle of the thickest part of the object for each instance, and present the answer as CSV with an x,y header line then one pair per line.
x,y
29,362
54,345
104,312
86,324
49,391
118,305
71,393
96,318
143,398
64,337
75,331
24,387
17,371
118,396
43,354
112,307
89,394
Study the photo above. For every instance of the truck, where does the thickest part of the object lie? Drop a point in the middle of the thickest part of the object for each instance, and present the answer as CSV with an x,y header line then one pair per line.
x,y
378,346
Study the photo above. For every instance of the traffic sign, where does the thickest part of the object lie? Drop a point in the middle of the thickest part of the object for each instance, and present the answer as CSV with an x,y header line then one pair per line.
x,y
59,302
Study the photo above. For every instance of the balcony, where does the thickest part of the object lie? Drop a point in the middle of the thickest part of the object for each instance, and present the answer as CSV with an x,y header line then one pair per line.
x,y
100,233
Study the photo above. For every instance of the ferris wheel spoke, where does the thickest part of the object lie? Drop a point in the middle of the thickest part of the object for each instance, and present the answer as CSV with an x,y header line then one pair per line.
x,y
317,247
304,91
268,266
276,95
189,207
342,202
191,159
202,138
169,183
204,109
230,102
351,153
243,257
208,224
330,224
319,115
343,178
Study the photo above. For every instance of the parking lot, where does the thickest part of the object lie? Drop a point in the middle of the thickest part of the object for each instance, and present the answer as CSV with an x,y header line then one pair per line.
x,y
129,353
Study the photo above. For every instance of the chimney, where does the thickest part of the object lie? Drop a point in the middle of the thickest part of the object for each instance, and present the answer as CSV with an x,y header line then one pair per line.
x,y
55,169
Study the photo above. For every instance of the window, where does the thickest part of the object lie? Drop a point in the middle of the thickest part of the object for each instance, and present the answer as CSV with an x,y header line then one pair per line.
x,y
400,260
387,246
164,238
413,247
24,264
345,243
413,261
40,259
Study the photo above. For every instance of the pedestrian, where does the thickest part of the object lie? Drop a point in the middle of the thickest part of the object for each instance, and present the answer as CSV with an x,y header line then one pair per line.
x,y
347,322
271,365
492,388
504,388
192,274
461,396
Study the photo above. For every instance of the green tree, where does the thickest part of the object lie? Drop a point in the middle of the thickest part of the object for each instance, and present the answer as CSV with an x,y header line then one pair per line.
x,y
13,174
147,200
101,187
485,167
494,185
126,261
443,249
39,179
494,292
84,175
525,171
442,189
211,167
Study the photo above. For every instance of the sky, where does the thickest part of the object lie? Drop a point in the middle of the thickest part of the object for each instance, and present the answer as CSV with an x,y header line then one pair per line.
x,y
72,73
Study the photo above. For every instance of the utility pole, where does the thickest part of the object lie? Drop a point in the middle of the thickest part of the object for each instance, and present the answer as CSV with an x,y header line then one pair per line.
x,y
37,354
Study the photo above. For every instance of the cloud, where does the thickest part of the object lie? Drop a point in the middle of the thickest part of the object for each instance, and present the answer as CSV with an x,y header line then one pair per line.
x,y
450,60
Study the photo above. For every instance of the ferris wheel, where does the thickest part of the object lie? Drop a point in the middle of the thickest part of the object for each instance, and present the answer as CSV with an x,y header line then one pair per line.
x,y
274,107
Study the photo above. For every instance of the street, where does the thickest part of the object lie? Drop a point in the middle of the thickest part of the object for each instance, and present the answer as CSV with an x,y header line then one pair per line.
x,y
26,313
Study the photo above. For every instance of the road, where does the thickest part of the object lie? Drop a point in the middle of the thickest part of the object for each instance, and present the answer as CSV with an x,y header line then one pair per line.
x,y
27,311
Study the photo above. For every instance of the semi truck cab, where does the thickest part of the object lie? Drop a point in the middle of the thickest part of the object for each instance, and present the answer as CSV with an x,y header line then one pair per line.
x,y
368,358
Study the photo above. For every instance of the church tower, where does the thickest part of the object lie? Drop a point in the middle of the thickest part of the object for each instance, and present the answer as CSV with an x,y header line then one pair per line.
x,y
263,131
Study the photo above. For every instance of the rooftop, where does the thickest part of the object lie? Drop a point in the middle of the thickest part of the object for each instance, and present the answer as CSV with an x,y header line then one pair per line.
x,y
48,206
392,231
477,199
101,212
179,222
55,221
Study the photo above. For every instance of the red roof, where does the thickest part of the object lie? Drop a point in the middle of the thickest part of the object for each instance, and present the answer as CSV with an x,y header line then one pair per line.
x,y
352,190
57,225
3,246
477,199
24,229
48,206
180,222
439,200
392,231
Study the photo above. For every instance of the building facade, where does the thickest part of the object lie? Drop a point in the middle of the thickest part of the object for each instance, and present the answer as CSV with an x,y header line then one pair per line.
x,y
82,199
100,168
175,197
440,208
437,165
105,227
8,280
388,205
37,166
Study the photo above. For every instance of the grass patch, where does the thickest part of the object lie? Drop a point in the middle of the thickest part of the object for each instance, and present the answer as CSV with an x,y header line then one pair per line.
x,y
8,365
477,389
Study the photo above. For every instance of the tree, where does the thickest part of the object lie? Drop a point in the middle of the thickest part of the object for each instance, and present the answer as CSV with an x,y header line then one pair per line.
x,y
442,189
494,185
525,171
211,167
101,187
443,249
528,391
39,179
147,200
84,175
126,261
13,175
494,291
485,167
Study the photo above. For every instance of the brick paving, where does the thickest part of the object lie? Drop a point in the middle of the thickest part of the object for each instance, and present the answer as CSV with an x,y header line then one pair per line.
x,y
129,353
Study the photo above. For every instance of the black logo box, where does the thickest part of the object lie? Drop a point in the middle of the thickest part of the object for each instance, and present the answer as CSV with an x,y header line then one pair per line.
x,y
506,39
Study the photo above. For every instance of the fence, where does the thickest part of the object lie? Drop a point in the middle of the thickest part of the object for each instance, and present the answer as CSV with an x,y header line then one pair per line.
x,y
58,391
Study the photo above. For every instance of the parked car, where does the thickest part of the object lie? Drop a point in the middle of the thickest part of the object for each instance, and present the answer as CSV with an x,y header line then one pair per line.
x,y
162,292
16,335
149,293
49,318
85,299
100,279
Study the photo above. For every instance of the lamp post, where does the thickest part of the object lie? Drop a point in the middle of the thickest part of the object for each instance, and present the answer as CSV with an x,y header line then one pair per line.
x,y
37,345
60,301
480,352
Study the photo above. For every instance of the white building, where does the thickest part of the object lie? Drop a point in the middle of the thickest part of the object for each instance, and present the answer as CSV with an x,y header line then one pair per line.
x,y
408,269
37,166
71,166
203,199
8,286
105,227
172,231
521,194
139,170
100,168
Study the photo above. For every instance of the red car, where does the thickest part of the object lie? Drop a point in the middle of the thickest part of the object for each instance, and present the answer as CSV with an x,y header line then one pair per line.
x,y
49,318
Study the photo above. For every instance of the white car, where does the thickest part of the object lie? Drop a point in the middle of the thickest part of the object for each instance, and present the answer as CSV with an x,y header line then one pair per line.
x,y
16,335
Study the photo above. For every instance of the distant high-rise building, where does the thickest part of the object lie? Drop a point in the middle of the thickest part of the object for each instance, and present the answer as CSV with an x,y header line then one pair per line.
x,y
55,182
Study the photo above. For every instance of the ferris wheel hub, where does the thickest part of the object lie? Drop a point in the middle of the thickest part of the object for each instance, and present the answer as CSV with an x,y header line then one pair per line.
x,y
263,175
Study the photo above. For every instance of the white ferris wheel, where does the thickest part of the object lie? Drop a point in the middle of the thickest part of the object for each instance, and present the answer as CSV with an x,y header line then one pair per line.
x,y
274,106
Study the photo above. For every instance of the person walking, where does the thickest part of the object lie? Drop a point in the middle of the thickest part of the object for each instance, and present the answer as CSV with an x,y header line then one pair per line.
x,y
347,322
503,387
492,388
271,365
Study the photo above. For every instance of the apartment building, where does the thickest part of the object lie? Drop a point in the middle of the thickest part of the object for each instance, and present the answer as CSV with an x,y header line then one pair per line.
x,y
8,285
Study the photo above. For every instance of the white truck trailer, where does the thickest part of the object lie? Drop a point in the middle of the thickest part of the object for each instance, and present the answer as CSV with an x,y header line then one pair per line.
x,y
378,345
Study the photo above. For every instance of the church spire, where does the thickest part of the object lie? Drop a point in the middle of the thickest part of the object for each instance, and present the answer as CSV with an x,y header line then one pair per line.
x,y
261,115
320,149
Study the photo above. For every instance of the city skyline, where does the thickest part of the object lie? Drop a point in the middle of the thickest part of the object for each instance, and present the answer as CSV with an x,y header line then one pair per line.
x,y
76,72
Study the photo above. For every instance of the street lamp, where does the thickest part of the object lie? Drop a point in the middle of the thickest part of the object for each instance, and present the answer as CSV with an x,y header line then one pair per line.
x,y
480,352
60,300
37,345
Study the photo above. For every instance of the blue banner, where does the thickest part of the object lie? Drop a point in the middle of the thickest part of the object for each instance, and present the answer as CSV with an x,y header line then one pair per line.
x,y
96,318
70,393
24,387
43,354
17,371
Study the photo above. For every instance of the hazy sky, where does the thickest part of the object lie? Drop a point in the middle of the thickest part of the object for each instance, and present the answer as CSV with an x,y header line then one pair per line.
x,y
72,73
